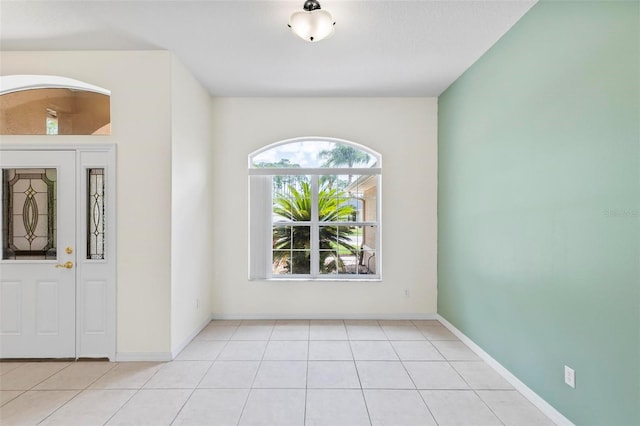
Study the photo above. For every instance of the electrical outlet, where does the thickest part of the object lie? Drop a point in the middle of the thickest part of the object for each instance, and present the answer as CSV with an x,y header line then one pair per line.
x,y
570,376
407,293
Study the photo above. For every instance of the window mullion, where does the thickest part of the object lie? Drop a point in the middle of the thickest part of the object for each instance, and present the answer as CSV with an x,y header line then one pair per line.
x,y
315,228
269,220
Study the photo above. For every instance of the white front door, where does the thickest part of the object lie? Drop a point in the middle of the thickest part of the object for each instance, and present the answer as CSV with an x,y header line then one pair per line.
x,y
38,265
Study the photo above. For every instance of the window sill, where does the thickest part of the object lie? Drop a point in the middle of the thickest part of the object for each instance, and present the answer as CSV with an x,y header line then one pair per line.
x,y
374,279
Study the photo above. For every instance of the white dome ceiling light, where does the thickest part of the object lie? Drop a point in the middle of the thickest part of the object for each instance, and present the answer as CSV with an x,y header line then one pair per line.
x,y
312,24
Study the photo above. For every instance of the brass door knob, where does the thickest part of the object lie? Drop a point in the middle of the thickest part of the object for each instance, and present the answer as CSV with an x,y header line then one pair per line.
x,y
67,265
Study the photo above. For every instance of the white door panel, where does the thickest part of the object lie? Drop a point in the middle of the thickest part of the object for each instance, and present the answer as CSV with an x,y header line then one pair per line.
x,y
37,292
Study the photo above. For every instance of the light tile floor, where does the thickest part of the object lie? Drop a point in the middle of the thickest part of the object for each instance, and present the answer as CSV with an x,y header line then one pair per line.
x,y
277,373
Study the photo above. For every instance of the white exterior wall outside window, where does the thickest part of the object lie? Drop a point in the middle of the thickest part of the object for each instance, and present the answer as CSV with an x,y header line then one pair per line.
x,y
315,211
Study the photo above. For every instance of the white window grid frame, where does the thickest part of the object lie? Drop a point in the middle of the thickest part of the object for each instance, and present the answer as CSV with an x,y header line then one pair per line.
x,y
260,235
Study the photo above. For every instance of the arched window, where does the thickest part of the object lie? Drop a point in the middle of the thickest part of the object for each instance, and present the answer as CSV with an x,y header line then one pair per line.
x,y
315,210
52,105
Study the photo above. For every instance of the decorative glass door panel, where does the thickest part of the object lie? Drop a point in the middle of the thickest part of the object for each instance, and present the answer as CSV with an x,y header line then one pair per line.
x,y
29,211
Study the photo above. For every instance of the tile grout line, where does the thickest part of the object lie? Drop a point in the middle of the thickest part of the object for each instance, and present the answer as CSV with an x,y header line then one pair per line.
x,y
469,385
46,378
120,408
264,351
11,399
54,411
414,383
21,391
355,365
475,391
137,391
201,378
76,395
445,359
306,379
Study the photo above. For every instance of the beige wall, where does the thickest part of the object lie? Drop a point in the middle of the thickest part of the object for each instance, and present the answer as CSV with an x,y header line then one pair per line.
x,y
192,216
404,131
140,84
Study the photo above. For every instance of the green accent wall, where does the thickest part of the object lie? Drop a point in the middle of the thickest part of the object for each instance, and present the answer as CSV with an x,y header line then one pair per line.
x,y
539,206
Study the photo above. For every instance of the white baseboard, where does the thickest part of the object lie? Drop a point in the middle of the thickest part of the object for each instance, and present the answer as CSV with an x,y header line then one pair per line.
x,y
161,356
175,351
350,316
143,356
533,397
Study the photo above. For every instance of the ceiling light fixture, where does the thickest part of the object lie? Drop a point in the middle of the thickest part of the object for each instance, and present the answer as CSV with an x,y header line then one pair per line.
x,y
312,24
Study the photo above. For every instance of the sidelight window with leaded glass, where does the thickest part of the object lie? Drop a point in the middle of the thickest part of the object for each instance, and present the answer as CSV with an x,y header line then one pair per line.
x,y
95,213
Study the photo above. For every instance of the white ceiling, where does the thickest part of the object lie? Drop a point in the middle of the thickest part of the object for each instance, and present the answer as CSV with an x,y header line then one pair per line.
x,y
244,48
